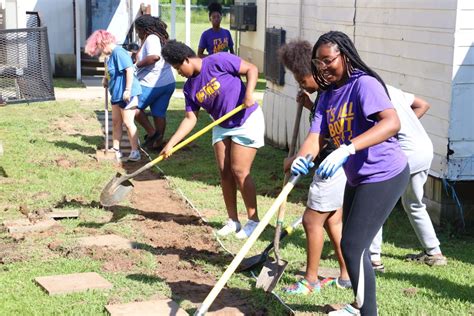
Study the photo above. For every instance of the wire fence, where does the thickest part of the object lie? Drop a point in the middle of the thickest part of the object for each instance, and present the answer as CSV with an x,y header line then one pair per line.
x,y
25,66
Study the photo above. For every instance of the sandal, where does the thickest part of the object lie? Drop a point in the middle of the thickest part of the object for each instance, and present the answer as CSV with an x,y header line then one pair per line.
x,y
303,287
340,283
378,266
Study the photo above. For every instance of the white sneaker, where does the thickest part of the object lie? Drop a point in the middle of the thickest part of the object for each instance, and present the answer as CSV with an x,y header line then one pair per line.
x,y
118,154
134,156
247,230
229,228
347,310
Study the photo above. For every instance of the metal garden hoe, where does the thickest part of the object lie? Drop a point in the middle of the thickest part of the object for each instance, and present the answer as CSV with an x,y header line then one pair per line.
x,y
119,186
273,269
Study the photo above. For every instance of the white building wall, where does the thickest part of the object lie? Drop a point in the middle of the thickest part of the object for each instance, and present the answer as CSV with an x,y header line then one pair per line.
x,y
411,44
461,129
58,16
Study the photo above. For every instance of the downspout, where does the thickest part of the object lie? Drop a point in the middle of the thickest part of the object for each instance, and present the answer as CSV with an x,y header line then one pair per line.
x,y
77,25
354,22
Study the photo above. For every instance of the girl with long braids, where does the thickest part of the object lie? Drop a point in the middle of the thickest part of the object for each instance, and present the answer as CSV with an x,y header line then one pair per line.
x,y
155,76
354,109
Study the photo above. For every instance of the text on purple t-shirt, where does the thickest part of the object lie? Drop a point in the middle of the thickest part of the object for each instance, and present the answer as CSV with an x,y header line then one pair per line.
x,y
345,112
215,42
218,89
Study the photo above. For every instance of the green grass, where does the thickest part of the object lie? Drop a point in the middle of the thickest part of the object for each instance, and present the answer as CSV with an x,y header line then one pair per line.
x,y
37,137
66,83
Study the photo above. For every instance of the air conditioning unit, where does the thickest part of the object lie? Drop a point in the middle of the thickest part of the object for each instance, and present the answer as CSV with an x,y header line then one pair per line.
x,y
243,17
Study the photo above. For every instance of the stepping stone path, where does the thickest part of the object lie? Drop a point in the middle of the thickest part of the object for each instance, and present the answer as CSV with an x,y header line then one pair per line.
x,y
110,241
148,308
26,226
58,213
71,283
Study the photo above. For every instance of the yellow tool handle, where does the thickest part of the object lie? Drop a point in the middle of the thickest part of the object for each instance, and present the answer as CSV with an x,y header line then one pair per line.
x,y
199,133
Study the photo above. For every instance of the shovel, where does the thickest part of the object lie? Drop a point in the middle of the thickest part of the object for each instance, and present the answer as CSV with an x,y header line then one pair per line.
x,y
254,262
248,244
272,270
119,186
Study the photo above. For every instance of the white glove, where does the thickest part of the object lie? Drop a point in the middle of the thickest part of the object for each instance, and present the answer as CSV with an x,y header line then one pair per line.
x,y
301,166
335,160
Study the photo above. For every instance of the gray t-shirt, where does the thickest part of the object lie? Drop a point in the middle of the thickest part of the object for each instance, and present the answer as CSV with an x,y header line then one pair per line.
x,y
158,74
413,139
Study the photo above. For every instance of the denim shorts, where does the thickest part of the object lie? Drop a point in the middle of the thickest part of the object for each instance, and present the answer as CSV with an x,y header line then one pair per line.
x,y
250,134
128,106
158,98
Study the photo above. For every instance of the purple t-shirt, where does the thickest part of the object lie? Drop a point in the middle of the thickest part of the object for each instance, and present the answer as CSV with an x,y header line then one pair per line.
x,y
215,42
344,113
218,89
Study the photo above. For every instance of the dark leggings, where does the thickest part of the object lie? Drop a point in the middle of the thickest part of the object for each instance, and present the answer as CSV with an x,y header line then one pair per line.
x,y
365,209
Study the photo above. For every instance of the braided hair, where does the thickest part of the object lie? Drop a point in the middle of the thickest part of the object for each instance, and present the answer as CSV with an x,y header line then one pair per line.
x,y
348,52
153,25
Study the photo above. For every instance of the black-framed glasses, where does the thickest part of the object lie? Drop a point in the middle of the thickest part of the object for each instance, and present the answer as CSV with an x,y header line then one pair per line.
x,y
321,64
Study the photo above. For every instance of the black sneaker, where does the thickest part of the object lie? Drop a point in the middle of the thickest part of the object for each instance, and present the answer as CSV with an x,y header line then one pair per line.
x,y
149,141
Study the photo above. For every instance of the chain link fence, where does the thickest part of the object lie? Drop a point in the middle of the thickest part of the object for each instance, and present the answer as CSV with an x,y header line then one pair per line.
x,y
25,66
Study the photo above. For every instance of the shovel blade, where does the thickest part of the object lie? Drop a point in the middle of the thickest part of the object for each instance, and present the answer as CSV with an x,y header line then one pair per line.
x,y
270,274
115,191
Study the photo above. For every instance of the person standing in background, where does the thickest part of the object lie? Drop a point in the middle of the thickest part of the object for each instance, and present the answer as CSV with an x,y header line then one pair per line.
x,y
215,39
156,78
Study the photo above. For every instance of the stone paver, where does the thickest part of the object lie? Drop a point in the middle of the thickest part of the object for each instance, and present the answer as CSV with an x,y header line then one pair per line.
x,y
25,226
111,241
58,213
148,308
71,283
226,311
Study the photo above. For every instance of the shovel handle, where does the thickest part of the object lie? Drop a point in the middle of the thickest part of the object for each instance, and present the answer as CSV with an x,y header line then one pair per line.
x,y
246,247
184,142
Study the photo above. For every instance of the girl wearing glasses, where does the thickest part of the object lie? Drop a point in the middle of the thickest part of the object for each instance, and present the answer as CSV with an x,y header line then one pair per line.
x,y
355,111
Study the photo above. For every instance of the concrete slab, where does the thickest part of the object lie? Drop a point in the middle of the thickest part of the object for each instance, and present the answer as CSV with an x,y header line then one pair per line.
x,y
60,213
71,283
148,308
111,241
25,226
226,311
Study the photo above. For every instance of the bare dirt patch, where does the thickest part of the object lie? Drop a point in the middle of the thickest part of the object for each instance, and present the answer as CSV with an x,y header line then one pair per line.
x,y
178,238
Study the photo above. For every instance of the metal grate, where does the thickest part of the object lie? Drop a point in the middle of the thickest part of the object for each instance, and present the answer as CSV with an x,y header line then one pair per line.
x,y
274,70
32,19
25,66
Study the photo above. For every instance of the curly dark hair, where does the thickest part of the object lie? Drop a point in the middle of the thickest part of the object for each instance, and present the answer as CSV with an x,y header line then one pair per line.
x,y
153,25
296,56
214,7
175,53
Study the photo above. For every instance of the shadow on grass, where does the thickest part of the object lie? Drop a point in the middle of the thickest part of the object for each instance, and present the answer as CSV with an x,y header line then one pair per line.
x,y
444,288
189,254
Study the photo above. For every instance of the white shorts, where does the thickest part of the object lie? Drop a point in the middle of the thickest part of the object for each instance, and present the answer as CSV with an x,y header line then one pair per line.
x,y
327,195
250,134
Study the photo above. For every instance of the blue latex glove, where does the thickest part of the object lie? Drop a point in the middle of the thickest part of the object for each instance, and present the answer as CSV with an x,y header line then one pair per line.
x,y
335,160
301,166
